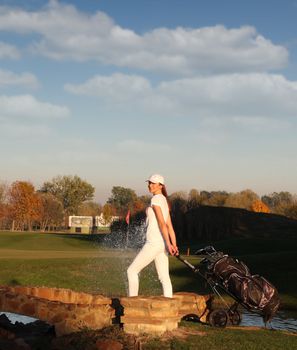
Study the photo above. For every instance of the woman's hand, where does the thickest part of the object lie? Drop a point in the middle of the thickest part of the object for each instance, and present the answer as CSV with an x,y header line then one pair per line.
x,y
176,250
172,249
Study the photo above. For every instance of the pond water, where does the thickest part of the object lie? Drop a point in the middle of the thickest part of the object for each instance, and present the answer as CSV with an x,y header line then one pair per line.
x,y
284,320
18,318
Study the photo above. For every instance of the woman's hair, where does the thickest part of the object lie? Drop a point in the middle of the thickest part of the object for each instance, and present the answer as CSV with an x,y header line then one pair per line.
x,y
164,191
165,194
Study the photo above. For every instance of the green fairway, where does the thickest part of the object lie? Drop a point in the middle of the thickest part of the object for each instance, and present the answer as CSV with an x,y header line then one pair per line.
x,y
83,263
45,241
210,338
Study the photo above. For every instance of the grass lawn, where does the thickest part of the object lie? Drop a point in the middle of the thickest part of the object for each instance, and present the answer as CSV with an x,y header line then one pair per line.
x,y
189,336
210,338
82,263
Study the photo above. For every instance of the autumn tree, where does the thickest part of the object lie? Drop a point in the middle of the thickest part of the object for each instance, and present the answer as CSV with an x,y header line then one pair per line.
x,y
216,198
122,199
194,199
243,199
108,211
204,197
259,207
278,202
90,208
178,206
72,191
141,203
50,212
291,211
3,192
145,199
178,197
24,205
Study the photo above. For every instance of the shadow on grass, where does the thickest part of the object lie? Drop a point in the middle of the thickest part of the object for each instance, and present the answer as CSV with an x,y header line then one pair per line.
x,y
93,237
186,280
14,282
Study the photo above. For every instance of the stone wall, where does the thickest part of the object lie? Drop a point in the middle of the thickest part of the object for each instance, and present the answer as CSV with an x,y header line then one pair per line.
x,y
194,304
67,310
153,315
156,315
71,311
67,296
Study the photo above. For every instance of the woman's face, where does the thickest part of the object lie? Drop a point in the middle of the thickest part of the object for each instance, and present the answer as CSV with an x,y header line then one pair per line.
x,y
154,188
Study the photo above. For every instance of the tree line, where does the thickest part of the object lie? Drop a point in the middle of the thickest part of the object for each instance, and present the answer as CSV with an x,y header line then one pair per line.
x,y
23,207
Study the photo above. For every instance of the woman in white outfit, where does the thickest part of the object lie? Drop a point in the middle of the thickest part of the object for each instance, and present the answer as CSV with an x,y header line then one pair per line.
x,y
160,239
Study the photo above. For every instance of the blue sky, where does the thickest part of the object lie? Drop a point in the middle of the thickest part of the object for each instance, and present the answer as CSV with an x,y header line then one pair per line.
x,y
203,92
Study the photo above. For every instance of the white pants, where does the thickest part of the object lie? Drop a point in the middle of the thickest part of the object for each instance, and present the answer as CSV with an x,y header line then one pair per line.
x,y
148,253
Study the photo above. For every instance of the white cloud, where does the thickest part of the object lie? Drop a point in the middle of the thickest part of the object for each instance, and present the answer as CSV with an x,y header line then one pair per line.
x,y
67,33
119,87
25,79
28,107
256,95
8,51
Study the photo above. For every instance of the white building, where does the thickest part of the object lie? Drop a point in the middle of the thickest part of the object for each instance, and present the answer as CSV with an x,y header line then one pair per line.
x,y
80,224
89,224
101,222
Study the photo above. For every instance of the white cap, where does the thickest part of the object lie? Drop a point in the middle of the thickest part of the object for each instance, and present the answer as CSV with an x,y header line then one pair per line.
x,y
156,178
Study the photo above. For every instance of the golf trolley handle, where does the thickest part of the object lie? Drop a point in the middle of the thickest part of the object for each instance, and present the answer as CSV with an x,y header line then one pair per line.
x,y
192,267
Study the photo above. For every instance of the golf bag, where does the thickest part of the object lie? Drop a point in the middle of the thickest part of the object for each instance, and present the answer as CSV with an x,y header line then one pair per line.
x,y
252,291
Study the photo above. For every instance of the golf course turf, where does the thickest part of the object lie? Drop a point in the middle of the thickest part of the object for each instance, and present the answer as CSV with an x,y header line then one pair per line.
x,y
85,263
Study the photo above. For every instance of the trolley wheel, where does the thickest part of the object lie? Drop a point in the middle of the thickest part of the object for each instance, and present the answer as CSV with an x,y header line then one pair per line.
x,y
191,318
218,318
234,317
